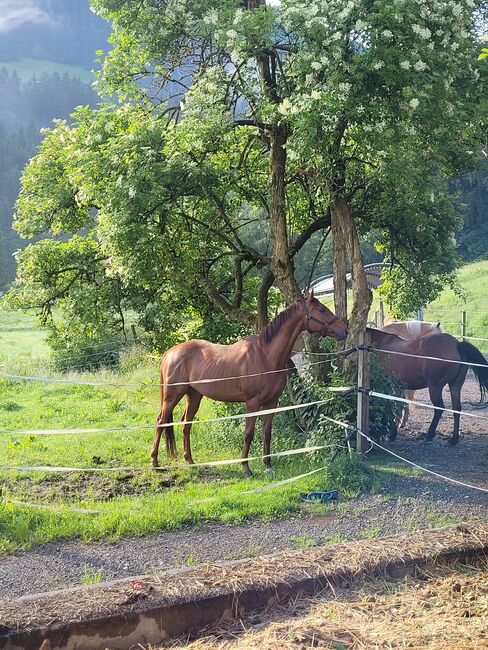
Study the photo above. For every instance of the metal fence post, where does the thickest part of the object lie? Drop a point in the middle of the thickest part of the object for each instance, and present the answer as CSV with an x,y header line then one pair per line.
x,y
464,323
362,420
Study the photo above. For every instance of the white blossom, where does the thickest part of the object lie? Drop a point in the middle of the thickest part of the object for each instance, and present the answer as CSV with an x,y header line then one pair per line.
x,y
231,33
315,94
457,10
316,65
414,103
423,32
387,33
132,192
406,65
377,65
420,65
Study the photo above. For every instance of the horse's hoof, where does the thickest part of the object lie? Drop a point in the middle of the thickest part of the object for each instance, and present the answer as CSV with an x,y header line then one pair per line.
x,y
270,472
247,473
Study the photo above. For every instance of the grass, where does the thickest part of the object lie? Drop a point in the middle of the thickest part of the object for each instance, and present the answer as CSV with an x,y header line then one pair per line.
x,y
28,68
132,502
137,502
448,307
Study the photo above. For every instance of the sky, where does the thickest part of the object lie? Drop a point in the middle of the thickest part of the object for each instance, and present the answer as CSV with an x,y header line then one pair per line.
x,y
16,13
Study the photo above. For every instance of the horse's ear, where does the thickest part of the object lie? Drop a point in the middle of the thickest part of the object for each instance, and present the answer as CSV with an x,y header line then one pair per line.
x,y
306,295
438,325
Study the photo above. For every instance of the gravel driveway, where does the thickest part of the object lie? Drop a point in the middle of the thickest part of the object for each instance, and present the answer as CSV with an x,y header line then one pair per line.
x,y
410,500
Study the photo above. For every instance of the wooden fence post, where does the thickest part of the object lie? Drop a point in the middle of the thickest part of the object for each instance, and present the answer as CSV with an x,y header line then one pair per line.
x,y
364,367
464,322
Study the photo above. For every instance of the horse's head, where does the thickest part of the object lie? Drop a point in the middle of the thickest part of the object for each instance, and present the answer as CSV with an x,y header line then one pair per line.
x,y
320,320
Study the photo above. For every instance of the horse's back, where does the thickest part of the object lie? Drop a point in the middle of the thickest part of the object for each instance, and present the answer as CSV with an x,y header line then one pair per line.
x,y
420,362
410,330
238,369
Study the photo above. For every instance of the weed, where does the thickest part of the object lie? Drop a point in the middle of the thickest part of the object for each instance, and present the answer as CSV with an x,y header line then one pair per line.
x,y
303,542
90,576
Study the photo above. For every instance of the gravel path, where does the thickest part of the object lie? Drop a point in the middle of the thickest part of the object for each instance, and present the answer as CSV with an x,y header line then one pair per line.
x,y
409,501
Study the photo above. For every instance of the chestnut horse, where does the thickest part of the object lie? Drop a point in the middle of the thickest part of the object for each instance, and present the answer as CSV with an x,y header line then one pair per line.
x,y
409,330
418,372
245,363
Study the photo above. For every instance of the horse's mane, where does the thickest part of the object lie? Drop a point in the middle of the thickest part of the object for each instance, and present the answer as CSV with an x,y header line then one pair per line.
x,y
268,331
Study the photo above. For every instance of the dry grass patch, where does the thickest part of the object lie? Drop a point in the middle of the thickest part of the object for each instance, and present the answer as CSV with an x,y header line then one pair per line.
x,y
442,608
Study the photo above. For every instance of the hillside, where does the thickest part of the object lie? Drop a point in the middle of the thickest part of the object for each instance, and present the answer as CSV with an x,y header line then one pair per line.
x,y
47,52
62,31
448,307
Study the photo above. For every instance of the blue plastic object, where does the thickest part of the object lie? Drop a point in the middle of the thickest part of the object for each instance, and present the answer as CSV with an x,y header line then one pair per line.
x,y
320,496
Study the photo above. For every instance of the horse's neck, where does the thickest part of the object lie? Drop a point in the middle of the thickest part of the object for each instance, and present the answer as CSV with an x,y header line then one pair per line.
x,y
278,348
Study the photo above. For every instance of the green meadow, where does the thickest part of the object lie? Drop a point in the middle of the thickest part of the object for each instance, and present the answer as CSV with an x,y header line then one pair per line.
x,y
139,500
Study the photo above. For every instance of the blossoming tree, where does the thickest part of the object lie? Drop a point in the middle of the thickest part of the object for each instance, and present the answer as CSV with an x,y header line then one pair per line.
x,y
291,117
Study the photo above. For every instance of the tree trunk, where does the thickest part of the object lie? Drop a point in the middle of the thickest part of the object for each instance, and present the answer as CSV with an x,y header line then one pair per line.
x,y
339,252
348,242
262,300
281,264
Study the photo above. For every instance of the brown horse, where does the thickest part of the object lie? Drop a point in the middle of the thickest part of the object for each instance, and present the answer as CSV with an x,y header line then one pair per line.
x,y
245,363
419,372
409,330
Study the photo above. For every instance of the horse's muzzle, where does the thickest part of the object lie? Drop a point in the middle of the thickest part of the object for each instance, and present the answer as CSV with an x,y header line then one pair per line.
x,y
341,336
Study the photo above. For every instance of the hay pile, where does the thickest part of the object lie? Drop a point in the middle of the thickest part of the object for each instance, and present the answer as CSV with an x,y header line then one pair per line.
x,y
443,609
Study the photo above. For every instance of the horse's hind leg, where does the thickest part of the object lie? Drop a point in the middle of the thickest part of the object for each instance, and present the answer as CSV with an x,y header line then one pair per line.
x,y
403,418
436,399
455,389
192,405
165,417
248,437
267,422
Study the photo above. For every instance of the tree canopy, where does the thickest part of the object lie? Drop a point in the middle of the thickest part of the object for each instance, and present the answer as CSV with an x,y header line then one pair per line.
x,y
242,130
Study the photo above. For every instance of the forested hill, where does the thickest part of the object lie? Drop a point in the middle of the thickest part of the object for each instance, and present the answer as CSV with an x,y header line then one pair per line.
x,y
63,31
39,39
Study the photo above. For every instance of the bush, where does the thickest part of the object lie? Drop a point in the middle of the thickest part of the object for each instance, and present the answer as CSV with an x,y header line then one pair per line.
x,y
82,354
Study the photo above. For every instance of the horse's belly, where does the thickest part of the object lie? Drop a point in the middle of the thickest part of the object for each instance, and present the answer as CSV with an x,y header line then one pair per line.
x,y
226,390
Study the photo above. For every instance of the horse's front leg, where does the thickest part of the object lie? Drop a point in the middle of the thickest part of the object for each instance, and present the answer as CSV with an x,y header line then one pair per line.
x,y
192,406
455,390
248,437
436,399
267,422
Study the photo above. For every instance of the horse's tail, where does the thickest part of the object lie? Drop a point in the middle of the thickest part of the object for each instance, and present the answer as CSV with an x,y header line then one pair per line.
x,y
471,354
169,432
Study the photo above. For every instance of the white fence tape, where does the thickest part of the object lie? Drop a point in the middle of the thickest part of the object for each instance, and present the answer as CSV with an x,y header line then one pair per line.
x,y
210,463
41,506
263,488
224,418
87,382
393,398
421,356
423,469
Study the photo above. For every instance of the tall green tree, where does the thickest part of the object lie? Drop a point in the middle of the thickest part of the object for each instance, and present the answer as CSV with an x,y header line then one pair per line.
x,y
245,129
